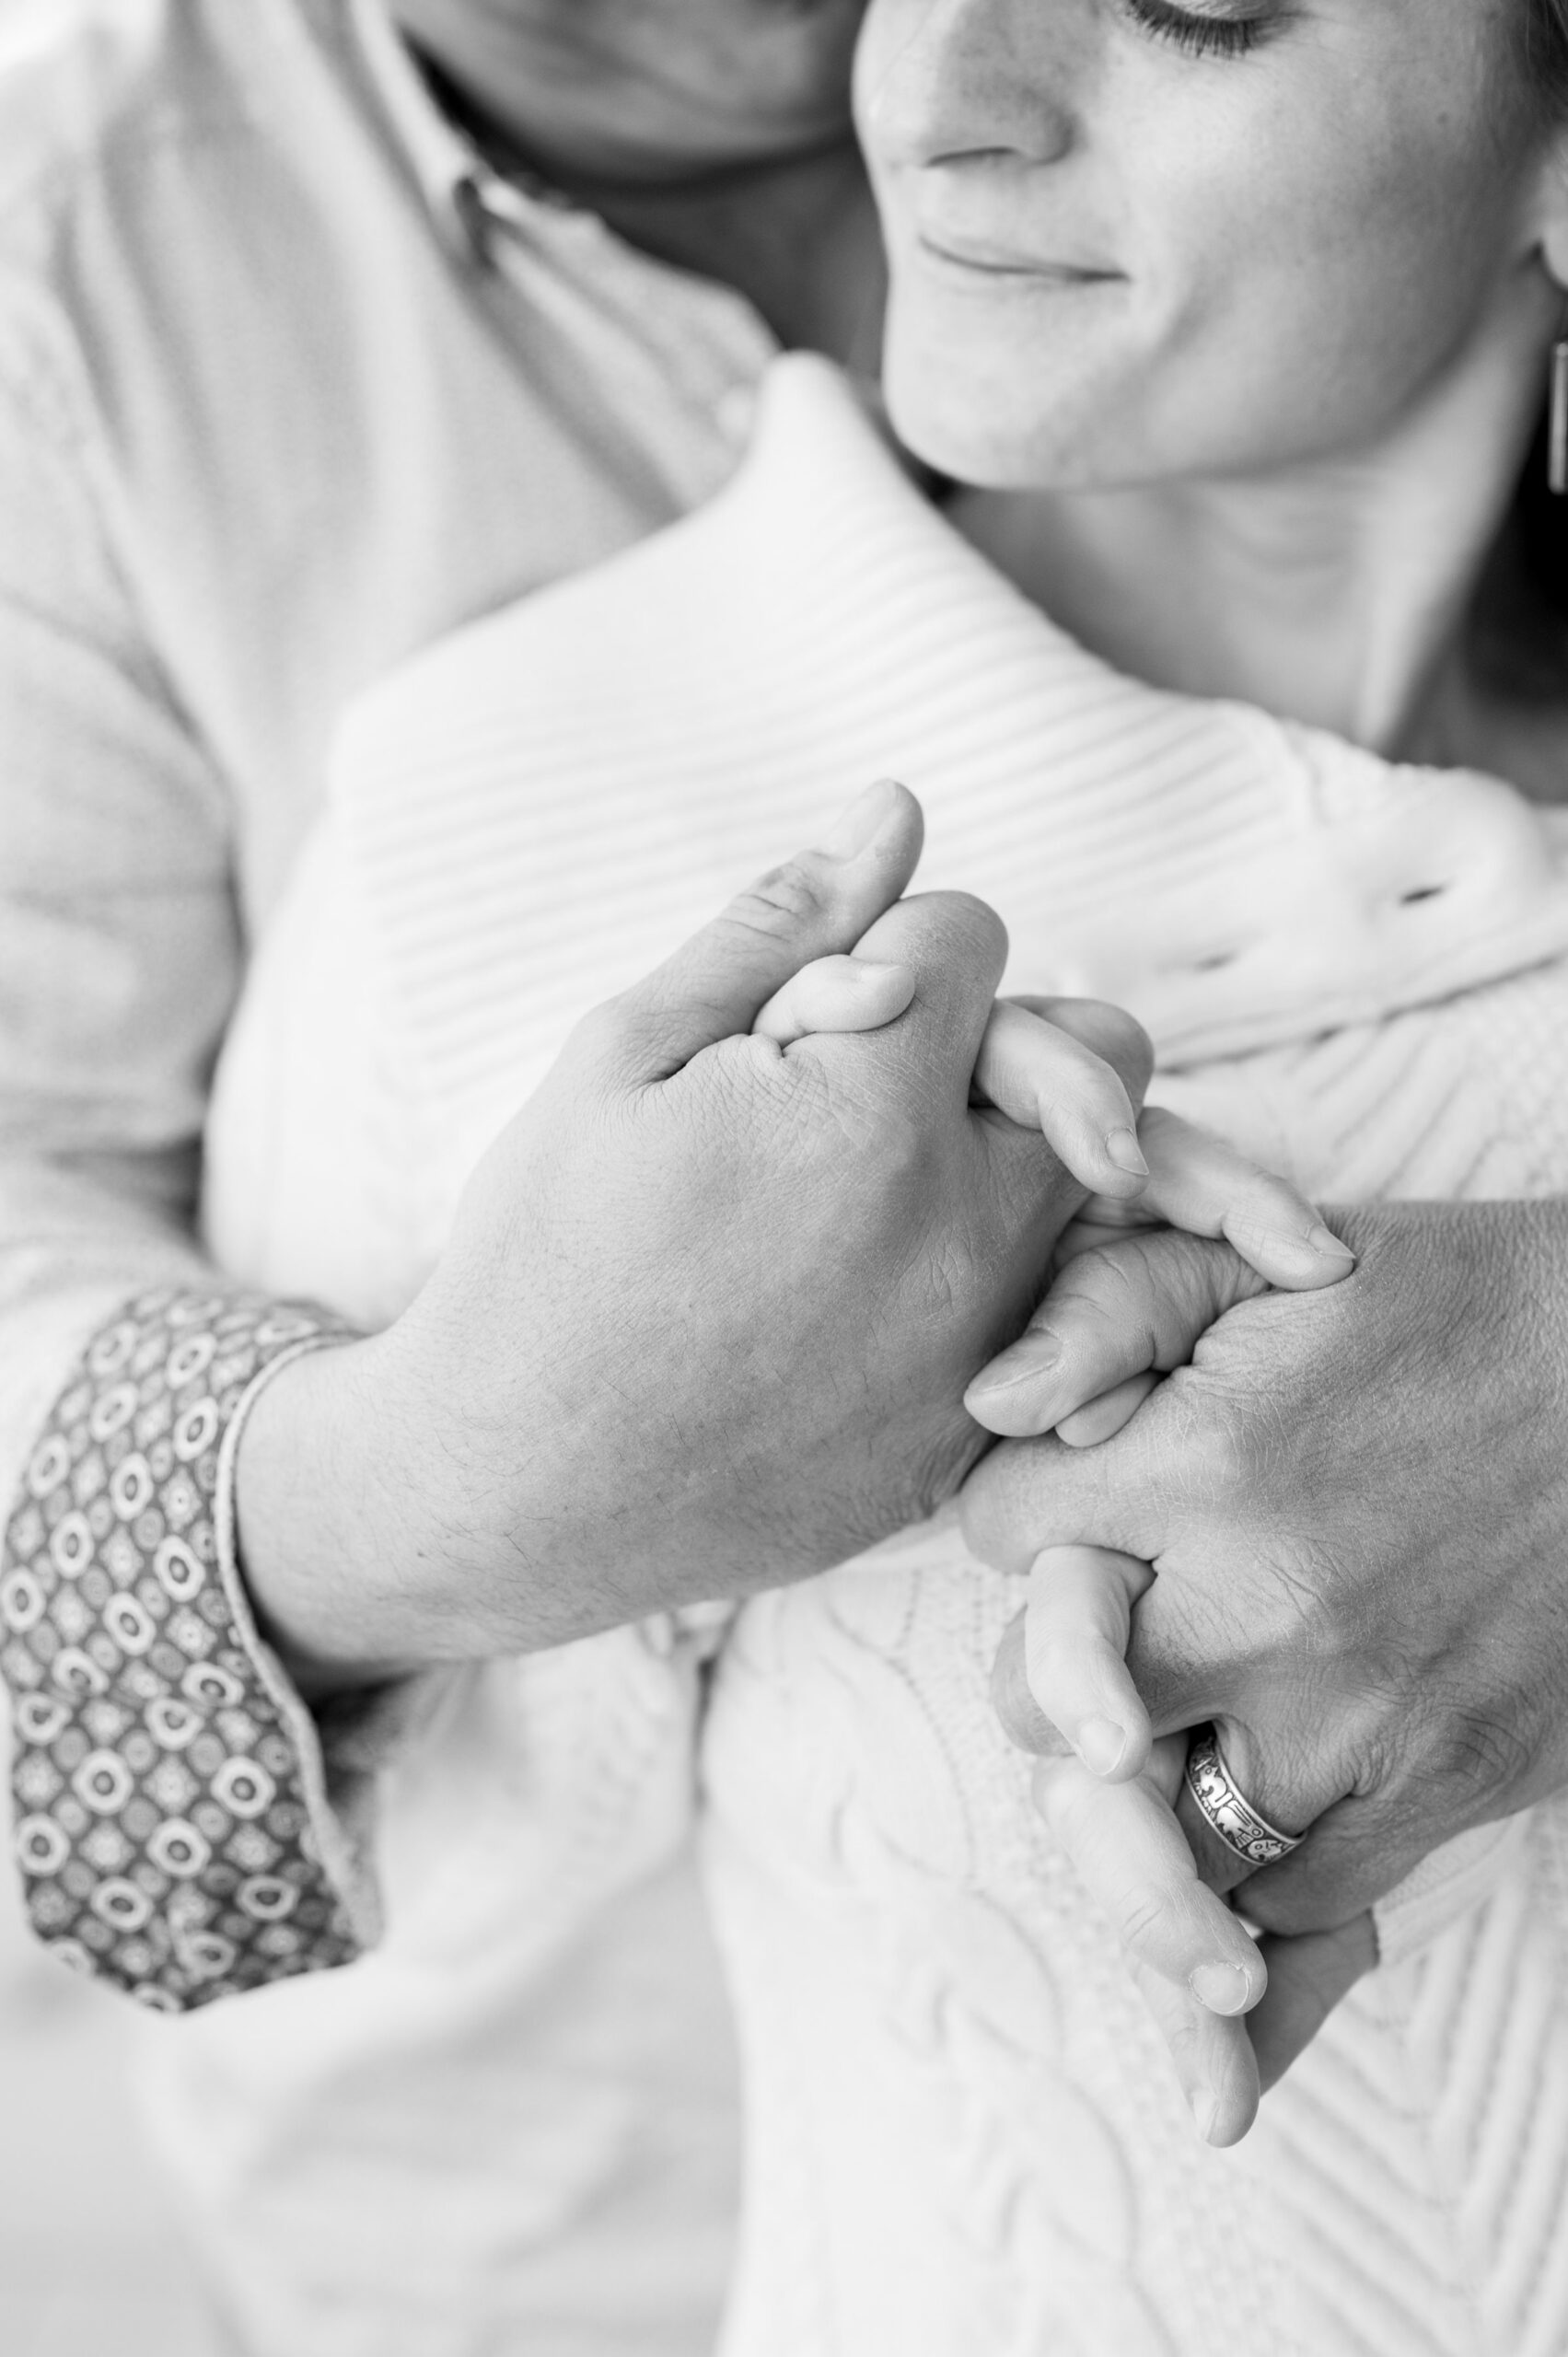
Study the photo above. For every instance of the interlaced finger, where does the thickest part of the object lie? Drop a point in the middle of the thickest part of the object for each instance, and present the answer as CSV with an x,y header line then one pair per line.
x,y
1120,1311
1043,1078
1212,2055
1127,1850
1076,1624
838,993
1199,1182
1136,1306
1105,1417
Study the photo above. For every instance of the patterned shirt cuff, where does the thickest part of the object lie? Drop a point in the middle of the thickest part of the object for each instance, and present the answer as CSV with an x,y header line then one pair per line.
x,y
173,1826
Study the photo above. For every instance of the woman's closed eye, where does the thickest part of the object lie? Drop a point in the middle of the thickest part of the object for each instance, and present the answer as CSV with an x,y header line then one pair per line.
x,y
1221,30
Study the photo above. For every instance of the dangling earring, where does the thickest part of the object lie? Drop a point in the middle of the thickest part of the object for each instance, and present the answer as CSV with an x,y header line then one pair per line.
x,y
1557,416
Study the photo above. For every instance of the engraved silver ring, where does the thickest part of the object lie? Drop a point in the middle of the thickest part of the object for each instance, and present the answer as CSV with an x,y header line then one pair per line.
x,y
1227,1809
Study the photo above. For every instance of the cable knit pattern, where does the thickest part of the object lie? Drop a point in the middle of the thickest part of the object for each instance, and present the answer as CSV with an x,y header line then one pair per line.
x,y
962,2133
166,1776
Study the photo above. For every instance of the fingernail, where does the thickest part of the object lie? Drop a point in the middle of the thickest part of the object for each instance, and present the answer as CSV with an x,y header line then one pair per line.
x,y
864,971
1122,1147
1325,1241
1220,1988
1038,1356
1205,2105
1101,1743
1294,1254
861,822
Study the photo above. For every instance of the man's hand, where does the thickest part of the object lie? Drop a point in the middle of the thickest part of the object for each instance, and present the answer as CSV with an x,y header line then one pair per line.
x,y
1356,1502
708,1309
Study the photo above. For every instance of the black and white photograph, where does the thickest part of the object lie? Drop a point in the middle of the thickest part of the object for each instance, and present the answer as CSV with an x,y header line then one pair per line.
x,y
783,1178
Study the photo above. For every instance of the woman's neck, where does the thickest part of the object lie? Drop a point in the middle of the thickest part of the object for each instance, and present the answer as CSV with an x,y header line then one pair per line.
x,y
1335,592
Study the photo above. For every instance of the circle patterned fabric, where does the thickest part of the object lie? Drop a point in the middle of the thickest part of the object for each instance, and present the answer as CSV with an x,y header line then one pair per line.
x,y
163,1819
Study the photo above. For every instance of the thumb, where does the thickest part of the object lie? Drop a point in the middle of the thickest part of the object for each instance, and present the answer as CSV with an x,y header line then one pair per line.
x,y
815,905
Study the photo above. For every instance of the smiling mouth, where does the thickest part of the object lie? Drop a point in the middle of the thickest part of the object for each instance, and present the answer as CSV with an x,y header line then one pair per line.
x,y
978,260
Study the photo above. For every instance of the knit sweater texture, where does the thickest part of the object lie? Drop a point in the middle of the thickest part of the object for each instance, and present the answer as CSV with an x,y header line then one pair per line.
x,y
962,2133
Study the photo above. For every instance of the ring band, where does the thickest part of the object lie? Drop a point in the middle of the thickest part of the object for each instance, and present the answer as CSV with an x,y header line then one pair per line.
x,y
1229,1813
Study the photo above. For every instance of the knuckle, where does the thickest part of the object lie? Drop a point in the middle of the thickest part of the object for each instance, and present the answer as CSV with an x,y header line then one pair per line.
x,y
1005,1506
1058,1661
1216,1456
872,1152
1184,1277
897,1132
1278,1623
1107,1288
1145,1918
602,1023
603,1035
1476,1751
974,919
953,936
817,1121
789,899
1304,1607
1057,1786
1187,2045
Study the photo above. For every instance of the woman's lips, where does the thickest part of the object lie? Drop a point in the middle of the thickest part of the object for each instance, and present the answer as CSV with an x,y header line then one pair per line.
x,y
980,257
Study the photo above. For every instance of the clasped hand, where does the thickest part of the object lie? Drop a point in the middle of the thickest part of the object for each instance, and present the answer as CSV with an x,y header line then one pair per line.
x,y
705,1322
710,1300
1336,1529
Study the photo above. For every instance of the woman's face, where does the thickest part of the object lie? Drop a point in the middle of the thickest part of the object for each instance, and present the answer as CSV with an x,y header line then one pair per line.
x,y
1131,242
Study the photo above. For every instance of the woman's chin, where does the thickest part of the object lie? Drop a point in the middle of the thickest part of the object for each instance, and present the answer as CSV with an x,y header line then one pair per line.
x,y
1011,394
954,422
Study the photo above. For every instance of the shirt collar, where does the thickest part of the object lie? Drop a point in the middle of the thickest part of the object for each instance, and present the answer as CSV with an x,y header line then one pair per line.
x,y
454,178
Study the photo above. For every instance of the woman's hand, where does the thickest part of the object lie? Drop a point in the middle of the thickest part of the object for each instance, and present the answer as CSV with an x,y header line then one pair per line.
x,y
1357,1504
1061,1676
1108,1327
1098,1337
1112,1807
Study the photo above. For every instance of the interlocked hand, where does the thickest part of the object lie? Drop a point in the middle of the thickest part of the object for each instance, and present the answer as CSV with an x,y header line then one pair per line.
x,y
1354,1504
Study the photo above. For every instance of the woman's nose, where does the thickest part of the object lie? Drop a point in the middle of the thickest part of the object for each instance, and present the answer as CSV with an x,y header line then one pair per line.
x,y
938,81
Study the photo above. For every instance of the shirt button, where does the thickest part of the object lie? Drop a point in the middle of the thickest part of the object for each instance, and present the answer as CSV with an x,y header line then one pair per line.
x,y
468,199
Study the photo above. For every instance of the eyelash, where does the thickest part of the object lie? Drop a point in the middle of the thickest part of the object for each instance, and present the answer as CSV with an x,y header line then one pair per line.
x,y
1199,36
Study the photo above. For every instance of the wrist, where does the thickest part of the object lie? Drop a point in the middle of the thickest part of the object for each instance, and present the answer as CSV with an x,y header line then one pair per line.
x,y
327,1525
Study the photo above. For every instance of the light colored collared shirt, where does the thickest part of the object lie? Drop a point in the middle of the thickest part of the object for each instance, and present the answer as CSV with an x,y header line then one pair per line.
x,y
291,384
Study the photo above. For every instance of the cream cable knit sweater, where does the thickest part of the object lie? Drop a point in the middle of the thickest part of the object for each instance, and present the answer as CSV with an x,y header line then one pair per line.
x,y
961,2135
